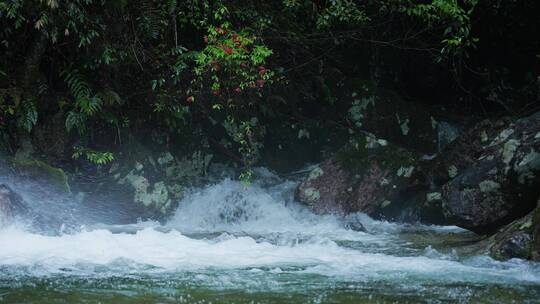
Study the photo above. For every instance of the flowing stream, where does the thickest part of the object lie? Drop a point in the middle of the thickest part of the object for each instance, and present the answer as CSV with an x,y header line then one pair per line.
x,y
231,243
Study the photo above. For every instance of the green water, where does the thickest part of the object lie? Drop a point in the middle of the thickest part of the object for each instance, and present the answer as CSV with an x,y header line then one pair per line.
x,y
247,286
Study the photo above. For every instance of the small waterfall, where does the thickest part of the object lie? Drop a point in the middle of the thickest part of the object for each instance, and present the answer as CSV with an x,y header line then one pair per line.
x,y
229,236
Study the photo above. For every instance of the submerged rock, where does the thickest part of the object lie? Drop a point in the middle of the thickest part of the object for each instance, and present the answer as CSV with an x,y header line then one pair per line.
x,y
368,175
355,225
496,175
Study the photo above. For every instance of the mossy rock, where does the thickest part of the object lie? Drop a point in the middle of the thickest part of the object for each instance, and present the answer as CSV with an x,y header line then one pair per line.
x,y
40,170
367,175
494,176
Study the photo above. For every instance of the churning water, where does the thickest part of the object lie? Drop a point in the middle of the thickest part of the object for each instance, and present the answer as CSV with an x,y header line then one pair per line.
x,y
231,243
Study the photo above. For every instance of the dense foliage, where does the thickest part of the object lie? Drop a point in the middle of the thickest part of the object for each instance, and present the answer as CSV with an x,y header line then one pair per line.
x,y
208,67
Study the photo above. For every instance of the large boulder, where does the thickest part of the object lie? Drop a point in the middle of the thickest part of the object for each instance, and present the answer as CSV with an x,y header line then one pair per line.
x,y
495,175
368,175
463,152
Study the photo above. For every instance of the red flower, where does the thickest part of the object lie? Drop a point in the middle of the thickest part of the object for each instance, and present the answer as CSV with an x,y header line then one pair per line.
x,y
215,92
190,99
260,82
228,50
206,39
238,90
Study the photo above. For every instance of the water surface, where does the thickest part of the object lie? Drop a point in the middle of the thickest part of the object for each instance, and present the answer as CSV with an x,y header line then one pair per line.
x,y
229,243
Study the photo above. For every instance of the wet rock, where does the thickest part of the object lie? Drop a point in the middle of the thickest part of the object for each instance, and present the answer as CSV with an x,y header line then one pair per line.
x,y
355,225
497,175
512,241
30,168
515,240
368,175
34,169
11,205
158,183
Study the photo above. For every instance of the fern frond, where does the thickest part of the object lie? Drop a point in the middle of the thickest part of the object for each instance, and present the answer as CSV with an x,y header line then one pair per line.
x,y
110,97
76,84
96,157
89,106
151,20
28,116
75,120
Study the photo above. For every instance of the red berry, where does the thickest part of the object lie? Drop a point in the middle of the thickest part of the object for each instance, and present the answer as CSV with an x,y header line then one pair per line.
x,y
260,82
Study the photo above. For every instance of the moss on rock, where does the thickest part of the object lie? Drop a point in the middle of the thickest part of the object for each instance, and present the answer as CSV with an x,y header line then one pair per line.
x,y
38,169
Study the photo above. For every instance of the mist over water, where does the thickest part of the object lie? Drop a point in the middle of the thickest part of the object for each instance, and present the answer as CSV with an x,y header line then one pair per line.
x,y
232,239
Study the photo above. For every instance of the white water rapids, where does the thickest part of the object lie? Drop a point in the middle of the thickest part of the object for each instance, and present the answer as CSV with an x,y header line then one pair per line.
x,y
257,230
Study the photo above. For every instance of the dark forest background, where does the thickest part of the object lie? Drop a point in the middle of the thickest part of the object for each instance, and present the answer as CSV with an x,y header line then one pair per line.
x,y
87,81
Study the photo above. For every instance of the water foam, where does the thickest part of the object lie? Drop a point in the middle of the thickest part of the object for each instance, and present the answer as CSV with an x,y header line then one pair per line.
x,y
230,227
173,251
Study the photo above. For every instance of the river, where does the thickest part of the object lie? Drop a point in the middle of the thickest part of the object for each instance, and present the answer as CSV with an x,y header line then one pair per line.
x,y
236,244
